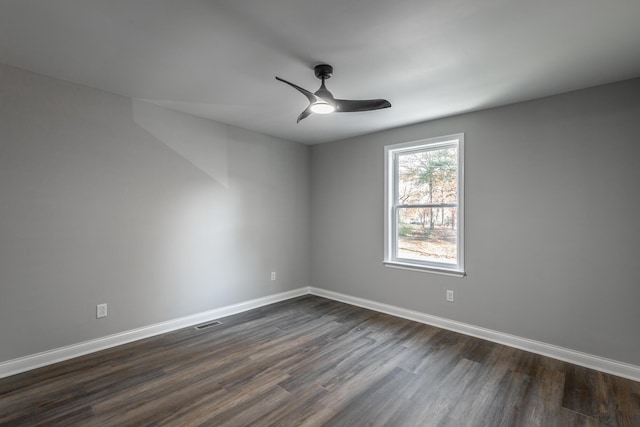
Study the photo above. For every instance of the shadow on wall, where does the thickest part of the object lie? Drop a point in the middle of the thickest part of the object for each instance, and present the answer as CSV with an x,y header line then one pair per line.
x,y
188,136
202,227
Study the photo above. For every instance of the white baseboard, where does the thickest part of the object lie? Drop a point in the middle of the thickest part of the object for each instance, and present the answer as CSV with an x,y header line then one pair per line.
x,y
609,366
49,357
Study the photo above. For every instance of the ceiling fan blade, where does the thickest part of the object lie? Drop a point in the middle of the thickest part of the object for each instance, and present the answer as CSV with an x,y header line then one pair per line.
x,y
306,113
310,96
349,106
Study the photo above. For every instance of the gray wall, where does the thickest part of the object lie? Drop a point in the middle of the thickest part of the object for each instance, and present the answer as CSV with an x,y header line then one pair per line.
x,y
157,213
552,228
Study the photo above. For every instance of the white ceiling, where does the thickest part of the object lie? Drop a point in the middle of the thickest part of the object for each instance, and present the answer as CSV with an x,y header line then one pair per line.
x,y
430,58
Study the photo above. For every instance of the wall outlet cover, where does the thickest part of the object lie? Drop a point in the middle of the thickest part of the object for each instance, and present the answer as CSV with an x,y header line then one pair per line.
x,y
101,311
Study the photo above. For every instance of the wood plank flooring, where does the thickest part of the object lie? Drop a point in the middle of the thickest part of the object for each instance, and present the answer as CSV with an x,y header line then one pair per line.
x,y
312,361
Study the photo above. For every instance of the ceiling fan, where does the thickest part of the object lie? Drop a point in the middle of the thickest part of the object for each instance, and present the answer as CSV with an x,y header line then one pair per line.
x,y
323,102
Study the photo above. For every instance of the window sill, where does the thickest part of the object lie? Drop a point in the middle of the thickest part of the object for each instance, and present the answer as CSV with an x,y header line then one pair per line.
x,y
424,269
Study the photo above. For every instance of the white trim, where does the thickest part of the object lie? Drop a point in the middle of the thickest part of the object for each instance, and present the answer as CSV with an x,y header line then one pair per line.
x,y
416,267
602,364
27,363
38,360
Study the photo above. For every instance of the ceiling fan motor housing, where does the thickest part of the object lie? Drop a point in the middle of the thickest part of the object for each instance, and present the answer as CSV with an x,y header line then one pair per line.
x,y
323,71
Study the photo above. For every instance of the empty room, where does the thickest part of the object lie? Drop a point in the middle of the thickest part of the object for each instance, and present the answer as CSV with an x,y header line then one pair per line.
x,y
319,213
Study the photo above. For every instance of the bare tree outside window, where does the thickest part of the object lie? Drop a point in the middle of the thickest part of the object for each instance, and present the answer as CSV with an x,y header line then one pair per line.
x,y
427,178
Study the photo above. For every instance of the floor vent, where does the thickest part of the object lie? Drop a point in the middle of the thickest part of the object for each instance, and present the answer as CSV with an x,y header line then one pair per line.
x,y
209,325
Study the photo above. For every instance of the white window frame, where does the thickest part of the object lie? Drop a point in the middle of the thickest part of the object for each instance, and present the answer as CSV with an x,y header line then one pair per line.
x,y
391,208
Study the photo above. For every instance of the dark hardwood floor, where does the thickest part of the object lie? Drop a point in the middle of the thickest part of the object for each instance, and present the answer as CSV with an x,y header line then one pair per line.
x,y
313,361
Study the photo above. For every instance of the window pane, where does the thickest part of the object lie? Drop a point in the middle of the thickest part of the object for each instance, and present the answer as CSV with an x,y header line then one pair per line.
x,y
428,177
427,234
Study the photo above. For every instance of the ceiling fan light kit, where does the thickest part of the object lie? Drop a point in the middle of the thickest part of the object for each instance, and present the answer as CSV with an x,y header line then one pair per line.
x,y
323,101
322,107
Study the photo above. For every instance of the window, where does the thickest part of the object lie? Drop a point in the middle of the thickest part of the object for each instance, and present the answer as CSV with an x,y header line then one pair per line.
x,y
424,214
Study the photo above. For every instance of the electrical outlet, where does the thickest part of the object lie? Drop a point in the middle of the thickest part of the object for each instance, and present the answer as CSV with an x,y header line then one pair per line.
x,y
450,296
101,311
273,275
